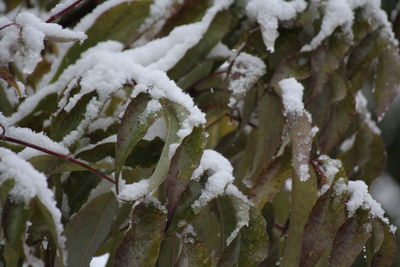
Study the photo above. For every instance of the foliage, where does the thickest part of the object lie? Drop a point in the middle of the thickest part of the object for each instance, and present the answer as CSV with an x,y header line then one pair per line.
x,y
194,133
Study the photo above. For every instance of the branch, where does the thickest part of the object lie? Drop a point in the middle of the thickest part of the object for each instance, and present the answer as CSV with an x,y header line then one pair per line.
x,y
6,138
57,15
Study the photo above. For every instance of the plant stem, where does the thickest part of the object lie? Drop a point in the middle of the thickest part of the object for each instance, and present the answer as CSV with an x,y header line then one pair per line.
x,y
57,15
55,154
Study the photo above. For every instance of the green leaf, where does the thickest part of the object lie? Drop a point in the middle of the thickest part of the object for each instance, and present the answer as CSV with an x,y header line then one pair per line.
x,y
66,122
269,133
86,231
47,224
327,216
13,220
326,59
304,195
387,83
141,243
77,188
366,159
189,11
133,128
162,168
254,240
271,179
342,114
120,23
194,253
362,55
184,162
297,66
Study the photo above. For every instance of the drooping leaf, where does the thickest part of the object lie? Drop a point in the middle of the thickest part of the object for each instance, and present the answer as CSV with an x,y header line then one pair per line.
x,y
303,197
350,240
271,179
387,253
141,243
387,83
254,240
327,216
133,127
86,231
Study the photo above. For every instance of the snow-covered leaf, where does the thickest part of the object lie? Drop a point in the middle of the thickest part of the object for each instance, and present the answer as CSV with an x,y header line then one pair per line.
x,y
117,20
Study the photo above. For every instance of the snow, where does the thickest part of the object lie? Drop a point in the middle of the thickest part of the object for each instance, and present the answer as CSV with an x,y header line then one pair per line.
x,y
220,51
362,110
157,129
27,135
23,42
164,53
245,72
220,181
152,108
268,13
359,197
292,96
29,183
330,168
160,10
100,261
340,13
131,192
348,143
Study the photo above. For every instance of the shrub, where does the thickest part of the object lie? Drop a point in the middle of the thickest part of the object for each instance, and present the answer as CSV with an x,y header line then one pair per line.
x,y
194,133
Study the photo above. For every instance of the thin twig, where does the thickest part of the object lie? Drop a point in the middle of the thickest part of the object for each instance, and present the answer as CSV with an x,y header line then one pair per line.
x,y
9,24
6,138
57,15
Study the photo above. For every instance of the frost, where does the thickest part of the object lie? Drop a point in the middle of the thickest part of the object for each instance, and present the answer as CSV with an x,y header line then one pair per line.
x,y
23,41
341,13
330,168
157,129
245,72
268,13
348,143
304,172
220,51
160,10
133,191
292,96
152,108
362,109
29,183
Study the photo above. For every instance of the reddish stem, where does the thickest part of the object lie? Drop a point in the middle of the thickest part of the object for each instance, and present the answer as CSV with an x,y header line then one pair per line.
x,y
9,24
55,154
57,15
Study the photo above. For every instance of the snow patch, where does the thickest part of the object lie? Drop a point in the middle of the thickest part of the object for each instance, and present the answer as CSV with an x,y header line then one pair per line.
x,y
268,13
